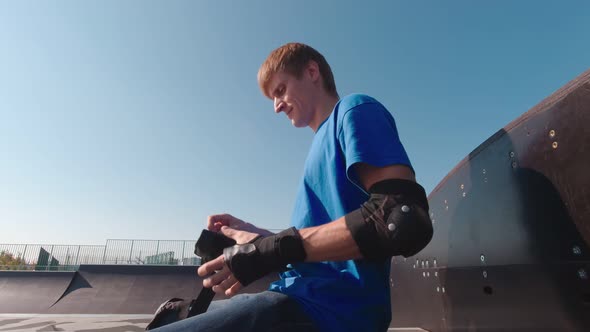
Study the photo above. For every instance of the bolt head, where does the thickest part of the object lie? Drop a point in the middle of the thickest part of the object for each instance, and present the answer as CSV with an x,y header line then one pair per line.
x,y
405,209
391,227
577,250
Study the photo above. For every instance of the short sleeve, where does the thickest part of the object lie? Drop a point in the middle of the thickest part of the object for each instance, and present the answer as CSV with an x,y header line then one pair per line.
x,y
368,134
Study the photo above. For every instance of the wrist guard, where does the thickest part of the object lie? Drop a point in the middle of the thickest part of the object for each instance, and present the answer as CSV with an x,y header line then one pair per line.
x,y
394,221
251,261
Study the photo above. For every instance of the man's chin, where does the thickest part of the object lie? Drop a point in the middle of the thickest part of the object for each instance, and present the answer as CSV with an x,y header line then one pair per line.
x,y
298,125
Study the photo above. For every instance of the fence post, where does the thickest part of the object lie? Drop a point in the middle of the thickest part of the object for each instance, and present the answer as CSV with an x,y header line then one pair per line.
x,y
23,258
158,248
104,254
50,258
77,256
130,251
182,258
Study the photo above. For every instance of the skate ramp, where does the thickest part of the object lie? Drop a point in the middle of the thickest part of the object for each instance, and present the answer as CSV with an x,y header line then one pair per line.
x,y
511,230
133,289
31,291
102,289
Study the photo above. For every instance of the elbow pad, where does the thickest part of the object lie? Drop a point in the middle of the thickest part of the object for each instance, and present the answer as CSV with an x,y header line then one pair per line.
x,y
393,221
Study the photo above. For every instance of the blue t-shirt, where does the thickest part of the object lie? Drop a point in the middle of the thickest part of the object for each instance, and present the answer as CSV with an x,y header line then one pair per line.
x,y
349,295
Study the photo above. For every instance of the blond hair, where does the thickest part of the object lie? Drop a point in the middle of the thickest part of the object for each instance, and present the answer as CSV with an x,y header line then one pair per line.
x,y
292,59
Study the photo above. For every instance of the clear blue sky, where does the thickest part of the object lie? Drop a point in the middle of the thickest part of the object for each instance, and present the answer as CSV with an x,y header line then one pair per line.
x,y
137,119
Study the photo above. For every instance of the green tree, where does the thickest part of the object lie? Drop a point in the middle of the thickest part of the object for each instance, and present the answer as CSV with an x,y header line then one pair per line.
x,y
9,262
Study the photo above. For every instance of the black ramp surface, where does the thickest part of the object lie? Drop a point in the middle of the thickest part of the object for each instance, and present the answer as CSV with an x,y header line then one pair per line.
x,y
131,289
31,291
511,230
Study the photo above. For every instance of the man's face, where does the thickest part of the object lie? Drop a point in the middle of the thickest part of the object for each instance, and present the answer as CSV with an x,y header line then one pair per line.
x,y
293,96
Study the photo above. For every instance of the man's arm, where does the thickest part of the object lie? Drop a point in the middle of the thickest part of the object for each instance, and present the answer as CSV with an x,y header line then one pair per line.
x,y
333,241
329,242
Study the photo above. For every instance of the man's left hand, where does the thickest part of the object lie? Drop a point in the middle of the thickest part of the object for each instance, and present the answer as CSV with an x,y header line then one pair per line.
x,y
224,281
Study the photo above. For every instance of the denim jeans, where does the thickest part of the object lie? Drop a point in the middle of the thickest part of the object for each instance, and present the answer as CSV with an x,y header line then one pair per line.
x,y
261,312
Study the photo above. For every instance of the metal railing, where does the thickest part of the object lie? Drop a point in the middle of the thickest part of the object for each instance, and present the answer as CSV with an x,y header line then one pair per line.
x,y
152,252
48,257
52,257
55,257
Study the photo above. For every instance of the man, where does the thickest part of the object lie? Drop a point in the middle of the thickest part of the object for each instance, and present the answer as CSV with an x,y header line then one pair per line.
x,y
358,205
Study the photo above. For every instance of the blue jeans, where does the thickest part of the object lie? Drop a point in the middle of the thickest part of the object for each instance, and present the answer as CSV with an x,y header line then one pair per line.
x,y
261,312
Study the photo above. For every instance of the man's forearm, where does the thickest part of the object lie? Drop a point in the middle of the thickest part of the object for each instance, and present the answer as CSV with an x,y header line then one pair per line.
x,y
329,242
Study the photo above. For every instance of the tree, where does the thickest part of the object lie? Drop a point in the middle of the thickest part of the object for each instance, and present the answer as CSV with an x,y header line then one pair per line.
x,y
9,262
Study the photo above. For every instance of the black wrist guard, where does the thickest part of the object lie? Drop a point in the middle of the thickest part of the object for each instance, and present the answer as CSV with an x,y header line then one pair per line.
x,y
251,261
394,221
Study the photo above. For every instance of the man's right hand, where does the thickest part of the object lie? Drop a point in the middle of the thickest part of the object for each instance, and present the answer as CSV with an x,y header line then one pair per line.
x,y
216,221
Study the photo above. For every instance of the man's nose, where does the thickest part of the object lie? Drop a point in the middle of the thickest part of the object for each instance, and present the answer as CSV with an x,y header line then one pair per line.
x,y
278,105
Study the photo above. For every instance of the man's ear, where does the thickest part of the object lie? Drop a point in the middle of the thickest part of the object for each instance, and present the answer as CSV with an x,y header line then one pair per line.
x,y
313,70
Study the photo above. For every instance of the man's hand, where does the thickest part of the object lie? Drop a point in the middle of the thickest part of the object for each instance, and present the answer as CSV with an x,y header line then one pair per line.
x,y
217,221
224,281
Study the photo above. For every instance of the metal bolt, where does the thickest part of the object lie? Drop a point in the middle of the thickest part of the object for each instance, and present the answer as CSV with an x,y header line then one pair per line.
x,y
428,274
437,289
464,194
582,274
554,145
577,250
424,274
485,274
434,262
414,266
552,133
482,258
485,180
484,171
436,274
443,289
446,207
431,214
445,202
422,264
511,154
462,187
426,264
405,208
514,164
391,227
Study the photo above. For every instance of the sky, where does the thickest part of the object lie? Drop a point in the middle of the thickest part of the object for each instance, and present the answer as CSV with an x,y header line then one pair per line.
x,y
138,119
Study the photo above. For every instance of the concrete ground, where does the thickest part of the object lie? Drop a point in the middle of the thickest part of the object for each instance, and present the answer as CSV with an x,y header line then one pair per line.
x,y
46,322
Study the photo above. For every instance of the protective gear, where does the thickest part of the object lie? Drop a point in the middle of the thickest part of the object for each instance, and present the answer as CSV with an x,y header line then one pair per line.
x,y
251,261
394,221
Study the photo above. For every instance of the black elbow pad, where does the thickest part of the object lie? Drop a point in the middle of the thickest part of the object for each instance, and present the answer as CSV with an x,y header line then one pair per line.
x,y
394,221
